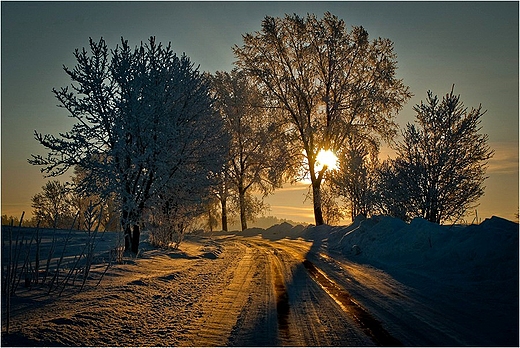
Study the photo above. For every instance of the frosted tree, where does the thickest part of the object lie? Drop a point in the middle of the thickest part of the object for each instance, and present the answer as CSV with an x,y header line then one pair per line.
x,y
221,194
213,214
326,82
257,157
174,211
442,159
391,196
355,179
145,120
87,202
53,205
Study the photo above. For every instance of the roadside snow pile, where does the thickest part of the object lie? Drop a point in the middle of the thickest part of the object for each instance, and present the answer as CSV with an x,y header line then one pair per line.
x,y
278,231
485,251
285,229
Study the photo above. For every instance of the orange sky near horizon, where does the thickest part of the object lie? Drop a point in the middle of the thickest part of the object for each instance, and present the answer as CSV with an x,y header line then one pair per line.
x,y
499,198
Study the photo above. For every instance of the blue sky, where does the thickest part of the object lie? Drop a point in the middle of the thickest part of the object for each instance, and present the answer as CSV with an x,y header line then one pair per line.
x,y
473,45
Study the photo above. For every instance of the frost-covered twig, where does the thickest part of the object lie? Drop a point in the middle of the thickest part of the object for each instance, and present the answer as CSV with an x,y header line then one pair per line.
x,y
51,251
91,247
66,242
26,264
37,256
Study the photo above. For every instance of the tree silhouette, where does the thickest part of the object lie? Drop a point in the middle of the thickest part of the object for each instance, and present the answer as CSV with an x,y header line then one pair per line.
x,y
355,180
326,82
442,159
53,205
145,123
257,159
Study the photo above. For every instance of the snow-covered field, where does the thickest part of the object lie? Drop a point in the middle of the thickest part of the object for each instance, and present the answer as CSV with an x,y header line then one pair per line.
x,y
375,281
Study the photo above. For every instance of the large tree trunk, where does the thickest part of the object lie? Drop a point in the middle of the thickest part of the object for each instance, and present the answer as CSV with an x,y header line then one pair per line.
x,y
316,189
132,232
132,235
316,200
135,239
432,210
242,201
223,204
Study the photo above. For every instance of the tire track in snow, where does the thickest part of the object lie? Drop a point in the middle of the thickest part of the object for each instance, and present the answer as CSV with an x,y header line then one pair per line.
x,y
371,326
407,315
307,315
223,310
282,300
257,322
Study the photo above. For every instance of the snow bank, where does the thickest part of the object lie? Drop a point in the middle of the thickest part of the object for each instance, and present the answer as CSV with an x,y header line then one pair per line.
x,y
279,231
285,229
486,251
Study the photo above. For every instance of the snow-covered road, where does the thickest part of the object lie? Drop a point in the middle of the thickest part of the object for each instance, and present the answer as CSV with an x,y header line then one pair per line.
x,y
287,307
230,290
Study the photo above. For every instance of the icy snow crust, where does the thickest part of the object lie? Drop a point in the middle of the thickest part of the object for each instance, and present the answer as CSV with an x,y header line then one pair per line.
x,y
428,285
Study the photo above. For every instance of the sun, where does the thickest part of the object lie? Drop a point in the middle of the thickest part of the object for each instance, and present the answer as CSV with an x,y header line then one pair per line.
x,y
323,158
326,158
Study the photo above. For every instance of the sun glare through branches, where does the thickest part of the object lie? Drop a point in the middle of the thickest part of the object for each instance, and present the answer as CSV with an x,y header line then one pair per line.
x,y
326,158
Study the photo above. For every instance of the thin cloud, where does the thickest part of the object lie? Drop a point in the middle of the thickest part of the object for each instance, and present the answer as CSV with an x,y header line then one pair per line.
x,y
505,160
292,213
291,208
298,186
